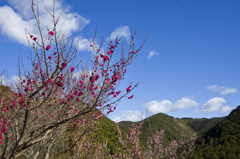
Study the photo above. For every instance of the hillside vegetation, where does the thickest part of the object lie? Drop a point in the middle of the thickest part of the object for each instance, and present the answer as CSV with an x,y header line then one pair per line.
x,y
174,129
221,141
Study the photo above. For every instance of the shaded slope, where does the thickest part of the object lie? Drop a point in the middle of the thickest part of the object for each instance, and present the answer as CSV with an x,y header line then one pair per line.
x,y
200,125
222,141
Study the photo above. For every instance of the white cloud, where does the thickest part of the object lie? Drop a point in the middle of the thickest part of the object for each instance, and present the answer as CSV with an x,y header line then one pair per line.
x,y
11,82
4,81
155,107
222,90
16,79
213,104
129,115
213,87
13,22
83,44
121,31
164,106
184,103
225,109
151,54
81,73
229,91
12,25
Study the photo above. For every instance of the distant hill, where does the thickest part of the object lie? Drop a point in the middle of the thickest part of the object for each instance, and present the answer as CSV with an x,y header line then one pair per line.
x,y
173,128
221,141
200,125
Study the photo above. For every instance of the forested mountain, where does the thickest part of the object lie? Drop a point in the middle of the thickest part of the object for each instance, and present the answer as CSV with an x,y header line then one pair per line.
x,y
173,128
221,141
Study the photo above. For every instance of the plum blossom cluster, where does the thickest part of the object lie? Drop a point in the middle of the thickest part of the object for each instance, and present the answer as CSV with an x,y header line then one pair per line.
x,y
48,96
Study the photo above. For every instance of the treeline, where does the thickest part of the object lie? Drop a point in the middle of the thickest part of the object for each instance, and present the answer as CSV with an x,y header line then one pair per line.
x,y
201,125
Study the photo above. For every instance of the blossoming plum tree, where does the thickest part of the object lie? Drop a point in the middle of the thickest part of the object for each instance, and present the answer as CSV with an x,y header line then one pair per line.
x,y
49,96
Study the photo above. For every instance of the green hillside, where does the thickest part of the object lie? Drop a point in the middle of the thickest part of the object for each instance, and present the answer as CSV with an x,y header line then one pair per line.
x,y
173,128
222,141
107,132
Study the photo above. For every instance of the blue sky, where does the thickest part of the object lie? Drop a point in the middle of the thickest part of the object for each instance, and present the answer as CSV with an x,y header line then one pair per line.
x,y
188,67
